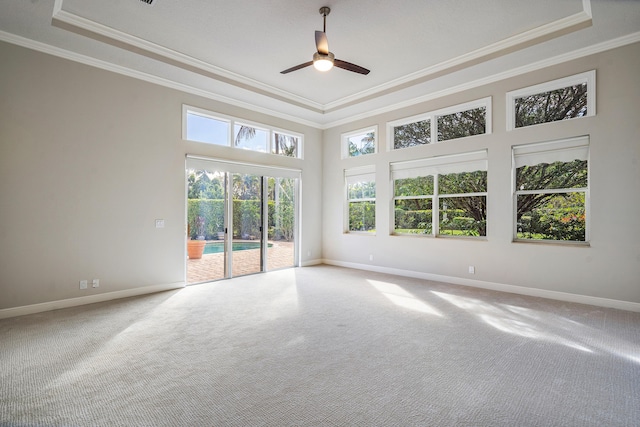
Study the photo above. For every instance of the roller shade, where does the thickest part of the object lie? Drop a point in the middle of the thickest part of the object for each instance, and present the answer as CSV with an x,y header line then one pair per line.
x,y
457,163
361,174
209,164
566,150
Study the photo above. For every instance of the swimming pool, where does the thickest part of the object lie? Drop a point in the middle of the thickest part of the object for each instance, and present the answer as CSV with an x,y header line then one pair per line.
x,y
217,247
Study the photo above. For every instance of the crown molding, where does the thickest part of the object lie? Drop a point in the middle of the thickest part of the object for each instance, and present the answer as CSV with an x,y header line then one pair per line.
x,y
149,78
319,124
519,41
70,21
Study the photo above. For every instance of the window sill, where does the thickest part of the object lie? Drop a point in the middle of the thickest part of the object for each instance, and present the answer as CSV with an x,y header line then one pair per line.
x,y
554,243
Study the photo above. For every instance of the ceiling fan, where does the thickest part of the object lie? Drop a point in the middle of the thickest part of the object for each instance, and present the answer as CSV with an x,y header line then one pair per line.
x,y
323,60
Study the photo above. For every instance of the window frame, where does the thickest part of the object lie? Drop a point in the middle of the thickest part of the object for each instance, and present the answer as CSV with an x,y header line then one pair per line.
x,y
285,132
588,77
433,117
186,110
547,146
477,158
344,138
363,171
232,122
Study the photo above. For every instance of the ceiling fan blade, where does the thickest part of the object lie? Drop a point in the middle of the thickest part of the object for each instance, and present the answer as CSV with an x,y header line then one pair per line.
x,y
350,67
322,44
297,67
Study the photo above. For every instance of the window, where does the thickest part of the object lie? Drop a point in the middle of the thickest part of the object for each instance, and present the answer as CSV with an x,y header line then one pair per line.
x,y
285,145
412,134
361,199
359,143
553,101
459,121
250,138
204,126
551,191
463,123
441,196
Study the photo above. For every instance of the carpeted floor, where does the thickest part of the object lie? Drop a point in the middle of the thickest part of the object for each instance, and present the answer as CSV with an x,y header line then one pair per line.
x,y
322,346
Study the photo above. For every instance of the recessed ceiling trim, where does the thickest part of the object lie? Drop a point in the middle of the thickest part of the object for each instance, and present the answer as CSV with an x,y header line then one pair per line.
x,y
87,27
70,21
559,59
519,41
318,123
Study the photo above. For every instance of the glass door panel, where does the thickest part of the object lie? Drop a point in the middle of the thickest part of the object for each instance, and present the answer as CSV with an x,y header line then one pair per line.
x,y
281,223
246,257
206,191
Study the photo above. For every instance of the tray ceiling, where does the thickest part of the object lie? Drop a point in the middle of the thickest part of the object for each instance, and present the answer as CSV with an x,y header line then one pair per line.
x,y
234,50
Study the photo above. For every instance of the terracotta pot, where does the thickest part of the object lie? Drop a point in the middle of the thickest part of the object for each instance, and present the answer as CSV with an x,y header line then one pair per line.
x,y
195,248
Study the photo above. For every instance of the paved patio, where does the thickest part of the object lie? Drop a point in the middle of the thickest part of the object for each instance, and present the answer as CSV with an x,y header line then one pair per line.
x,y
211,266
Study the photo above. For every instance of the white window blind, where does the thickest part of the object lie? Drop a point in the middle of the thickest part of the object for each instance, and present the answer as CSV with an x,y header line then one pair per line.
x,y
361,174
456,163
565,150
205,163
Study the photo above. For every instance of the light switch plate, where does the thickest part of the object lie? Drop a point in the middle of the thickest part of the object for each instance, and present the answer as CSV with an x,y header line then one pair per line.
x,y
159,223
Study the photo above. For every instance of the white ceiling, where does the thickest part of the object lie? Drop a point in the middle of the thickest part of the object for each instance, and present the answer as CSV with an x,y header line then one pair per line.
x,y
234,50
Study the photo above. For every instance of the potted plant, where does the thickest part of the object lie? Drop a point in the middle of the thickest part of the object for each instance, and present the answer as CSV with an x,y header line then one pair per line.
x,y
200,227
218,226
195,248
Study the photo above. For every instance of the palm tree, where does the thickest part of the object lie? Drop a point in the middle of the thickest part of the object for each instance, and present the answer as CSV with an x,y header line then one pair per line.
x,y
245,132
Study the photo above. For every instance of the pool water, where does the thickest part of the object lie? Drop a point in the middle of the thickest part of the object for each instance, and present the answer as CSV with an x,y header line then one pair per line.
x,y
217,247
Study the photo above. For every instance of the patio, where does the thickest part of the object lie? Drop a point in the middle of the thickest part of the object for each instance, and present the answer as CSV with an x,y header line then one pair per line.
x,y
211,266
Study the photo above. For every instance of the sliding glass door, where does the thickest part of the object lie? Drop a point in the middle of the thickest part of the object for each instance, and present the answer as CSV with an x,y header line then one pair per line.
x,y
206,218
247,224
281,207
244,217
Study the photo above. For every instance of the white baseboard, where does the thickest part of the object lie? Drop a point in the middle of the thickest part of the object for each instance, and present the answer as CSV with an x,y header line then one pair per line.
x,y
89,299
542,293
311,262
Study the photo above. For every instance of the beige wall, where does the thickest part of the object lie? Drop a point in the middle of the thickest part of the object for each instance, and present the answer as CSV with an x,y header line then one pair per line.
x,y
88,160
609,268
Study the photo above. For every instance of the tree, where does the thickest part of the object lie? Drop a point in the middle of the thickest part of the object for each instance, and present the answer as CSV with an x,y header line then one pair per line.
x,y
245,132
474,207
205,185
286,145
412,134
366,145
461,124
547,176
555,105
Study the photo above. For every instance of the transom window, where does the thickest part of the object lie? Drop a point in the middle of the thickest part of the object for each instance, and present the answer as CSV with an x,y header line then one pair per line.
x,y
361,199
207,127
441,196
551,191
459,121
360,142
562,99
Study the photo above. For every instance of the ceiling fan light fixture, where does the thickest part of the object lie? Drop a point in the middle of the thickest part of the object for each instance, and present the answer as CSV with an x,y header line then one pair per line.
x,y
323,62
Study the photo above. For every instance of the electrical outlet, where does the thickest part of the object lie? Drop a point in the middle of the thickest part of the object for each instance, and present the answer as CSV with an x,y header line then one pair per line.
x,y
472,269
370,257
159,223
83,284
95,283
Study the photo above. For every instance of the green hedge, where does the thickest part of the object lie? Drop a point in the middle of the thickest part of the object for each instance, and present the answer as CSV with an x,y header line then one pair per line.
x,y
420,221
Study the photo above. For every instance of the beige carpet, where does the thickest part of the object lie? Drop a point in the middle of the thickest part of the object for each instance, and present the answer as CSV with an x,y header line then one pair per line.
x,y
322,346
